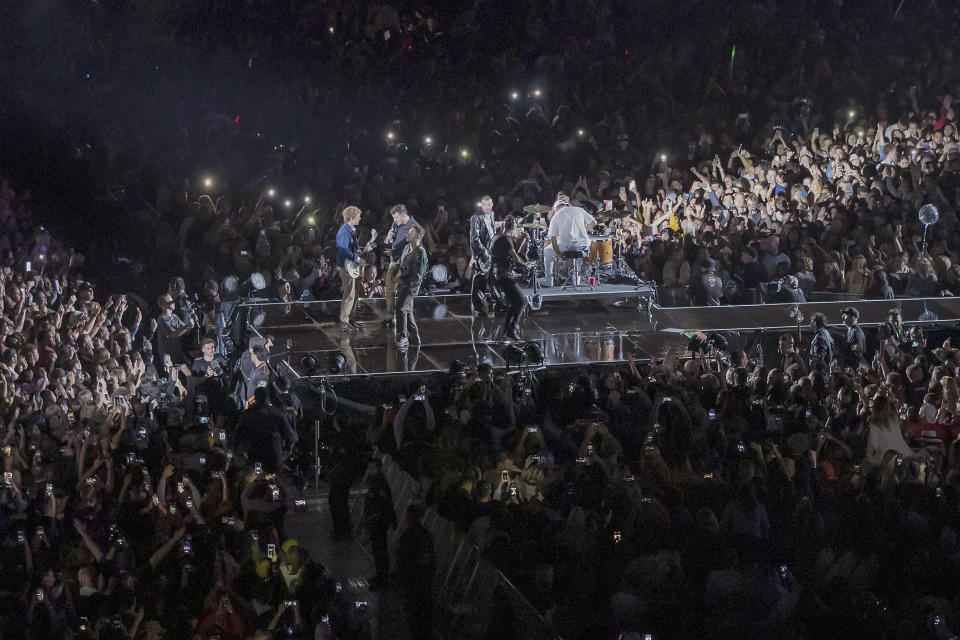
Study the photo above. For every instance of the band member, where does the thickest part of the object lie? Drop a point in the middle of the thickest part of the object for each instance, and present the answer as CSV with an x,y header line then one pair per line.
x,y
481,233
347,249
396,241
568,231
503,256
409,278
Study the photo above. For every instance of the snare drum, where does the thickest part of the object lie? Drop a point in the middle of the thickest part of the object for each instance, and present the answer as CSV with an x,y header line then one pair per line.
x,y
601,249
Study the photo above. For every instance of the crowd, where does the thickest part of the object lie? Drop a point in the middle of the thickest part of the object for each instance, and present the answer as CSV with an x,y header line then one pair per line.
x,y
814,495
815,172
142,494
810,496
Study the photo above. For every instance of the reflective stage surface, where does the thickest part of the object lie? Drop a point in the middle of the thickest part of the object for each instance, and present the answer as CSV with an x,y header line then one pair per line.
x,y
569,330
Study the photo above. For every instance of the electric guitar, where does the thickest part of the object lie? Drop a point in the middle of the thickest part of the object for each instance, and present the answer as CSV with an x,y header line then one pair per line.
x,y
353,267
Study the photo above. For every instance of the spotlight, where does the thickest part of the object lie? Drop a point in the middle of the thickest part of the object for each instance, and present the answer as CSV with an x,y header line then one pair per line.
x,y
309,365
311,220
428,140
852,113
287,203
535,302
534,352
536,93
208,182
439,273
514,95
259,317
337,363
391,135
331,29
663,157
440,311
464,153
271,192
257,281
580,132
306,199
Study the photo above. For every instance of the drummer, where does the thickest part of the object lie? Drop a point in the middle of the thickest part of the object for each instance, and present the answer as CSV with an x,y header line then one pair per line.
x,y
567,232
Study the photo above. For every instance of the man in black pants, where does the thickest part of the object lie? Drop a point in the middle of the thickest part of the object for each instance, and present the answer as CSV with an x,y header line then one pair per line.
x,y
503,255
481,232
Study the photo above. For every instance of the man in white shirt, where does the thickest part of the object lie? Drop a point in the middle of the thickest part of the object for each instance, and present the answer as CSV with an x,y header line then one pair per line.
x,y
568,231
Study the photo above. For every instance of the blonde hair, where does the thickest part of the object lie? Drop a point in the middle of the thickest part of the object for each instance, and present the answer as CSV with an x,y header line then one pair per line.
x,y
351,213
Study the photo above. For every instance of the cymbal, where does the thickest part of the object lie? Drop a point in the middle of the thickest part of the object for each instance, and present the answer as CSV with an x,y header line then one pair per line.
x,y
534,225
606,216
537,208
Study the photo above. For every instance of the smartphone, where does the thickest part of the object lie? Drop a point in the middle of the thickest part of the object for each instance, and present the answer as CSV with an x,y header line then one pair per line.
x,y
531,429
49,488
617,537
623,191
783,571
8,478
419,397
202,459
204,420
741,447
257,468
28,266
275,492
156,499
189,503
7,450
39,595
180,487
504,476
186,547
289,603
633,185
20,536
166,359
142,433
271,551
299,504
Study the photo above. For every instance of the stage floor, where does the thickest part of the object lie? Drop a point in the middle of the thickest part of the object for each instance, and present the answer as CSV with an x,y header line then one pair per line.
x,y
571,329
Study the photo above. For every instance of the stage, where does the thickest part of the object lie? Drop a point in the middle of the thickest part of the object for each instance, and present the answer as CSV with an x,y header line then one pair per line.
x,y
572,328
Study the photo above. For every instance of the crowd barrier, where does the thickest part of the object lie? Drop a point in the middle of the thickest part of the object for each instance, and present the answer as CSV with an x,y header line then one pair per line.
x,y
469,592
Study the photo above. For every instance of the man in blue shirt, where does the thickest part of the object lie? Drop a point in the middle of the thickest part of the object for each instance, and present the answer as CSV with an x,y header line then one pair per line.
x,y
396,243
347,250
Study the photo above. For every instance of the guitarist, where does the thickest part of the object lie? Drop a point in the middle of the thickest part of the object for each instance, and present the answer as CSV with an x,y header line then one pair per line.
x,y
347,250
481,233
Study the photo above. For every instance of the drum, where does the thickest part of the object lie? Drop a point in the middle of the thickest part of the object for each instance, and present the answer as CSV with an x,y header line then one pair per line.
x,y
601,250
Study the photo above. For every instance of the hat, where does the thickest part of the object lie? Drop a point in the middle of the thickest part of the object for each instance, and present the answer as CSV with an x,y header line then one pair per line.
x,y
289,544
85,286
164,299
851,311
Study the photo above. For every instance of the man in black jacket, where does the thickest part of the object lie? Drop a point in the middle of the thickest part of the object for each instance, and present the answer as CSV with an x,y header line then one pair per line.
x,y
481,232
261,432
821,346
855,346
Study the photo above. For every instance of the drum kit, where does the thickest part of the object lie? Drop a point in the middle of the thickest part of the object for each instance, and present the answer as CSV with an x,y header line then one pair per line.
x,y
605,262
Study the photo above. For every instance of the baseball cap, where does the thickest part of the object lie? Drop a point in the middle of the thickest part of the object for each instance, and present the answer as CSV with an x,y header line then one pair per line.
x,y
851,311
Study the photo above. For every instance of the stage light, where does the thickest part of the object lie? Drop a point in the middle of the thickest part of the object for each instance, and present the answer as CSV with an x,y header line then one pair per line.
x,y
391,135
331,29
257,281
464,153
311,220
535,302
259,317
440,311
428,140
852,113
580,132
534,352
231,284
537,93
309,364
208,182
306,199
663,157
439,273
287,203
337,363
514,95
271,192
514,354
